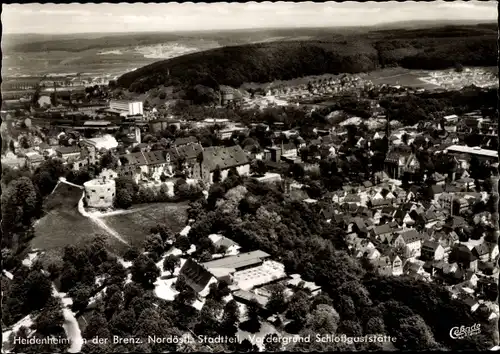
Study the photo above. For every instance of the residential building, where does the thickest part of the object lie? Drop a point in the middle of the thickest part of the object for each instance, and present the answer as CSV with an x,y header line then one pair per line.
x,y
482,252
411,241
68,153
139,165
222,158
388,265
185,141
432,250
464,257
382,231
93,147
33,160
232,248
296,282
197,277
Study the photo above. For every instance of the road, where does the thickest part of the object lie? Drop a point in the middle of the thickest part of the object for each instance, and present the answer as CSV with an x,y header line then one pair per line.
x,y
70,325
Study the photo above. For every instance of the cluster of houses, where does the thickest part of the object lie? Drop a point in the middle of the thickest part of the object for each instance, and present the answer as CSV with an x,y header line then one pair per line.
x,y
331,85
248,275
400,235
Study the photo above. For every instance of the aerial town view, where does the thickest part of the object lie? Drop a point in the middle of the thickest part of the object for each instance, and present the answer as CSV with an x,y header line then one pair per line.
x,y
217,178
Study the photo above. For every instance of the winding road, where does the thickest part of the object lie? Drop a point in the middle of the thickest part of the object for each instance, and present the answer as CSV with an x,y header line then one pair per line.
x,y
70,325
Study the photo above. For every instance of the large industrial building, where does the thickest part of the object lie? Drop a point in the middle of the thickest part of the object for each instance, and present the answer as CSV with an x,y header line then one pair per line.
x,y
126,108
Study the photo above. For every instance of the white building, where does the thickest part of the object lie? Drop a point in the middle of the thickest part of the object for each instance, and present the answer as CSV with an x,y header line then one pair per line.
x,y
476,150
100,193
130,108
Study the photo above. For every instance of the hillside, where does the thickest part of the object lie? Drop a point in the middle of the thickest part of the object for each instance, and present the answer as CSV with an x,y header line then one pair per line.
x,y
435,48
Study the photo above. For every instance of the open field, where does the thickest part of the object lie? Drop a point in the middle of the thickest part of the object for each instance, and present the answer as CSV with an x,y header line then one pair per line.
x,y
135,226
63,224
399,76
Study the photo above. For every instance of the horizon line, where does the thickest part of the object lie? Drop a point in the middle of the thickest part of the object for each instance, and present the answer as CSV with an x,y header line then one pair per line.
x,y
437,22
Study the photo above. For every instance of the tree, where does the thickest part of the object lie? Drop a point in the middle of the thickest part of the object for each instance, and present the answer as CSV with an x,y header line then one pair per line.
x,y
170,263
113,303
69,277
276,303
230,318
38,290
297,171
123,199
205,256
50,320
218,291
154,244
414,334
459,67
183,243
298,308
144,271
259,167
186,296
252,325
165,232
351,328
12,146
19,203
324,319
375,325
273,342
96,326
217,176
81,298
179,185
122,323
131,254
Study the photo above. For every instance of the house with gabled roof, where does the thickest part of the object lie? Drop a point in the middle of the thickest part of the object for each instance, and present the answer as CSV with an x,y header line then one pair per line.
x,y
482,252
412,165
382,231
185,141
352,199
387,265
358,226
462,255
68,153
197,277
139,164
472,303
439,178
432,250
222,158
411,240
413,268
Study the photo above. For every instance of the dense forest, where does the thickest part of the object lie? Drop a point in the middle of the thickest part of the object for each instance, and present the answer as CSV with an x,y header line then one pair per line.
x,y
350,53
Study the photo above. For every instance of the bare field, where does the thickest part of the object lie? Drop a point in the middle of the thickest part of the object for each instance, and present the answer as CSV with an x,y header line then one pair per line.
x,y
134,227
399,76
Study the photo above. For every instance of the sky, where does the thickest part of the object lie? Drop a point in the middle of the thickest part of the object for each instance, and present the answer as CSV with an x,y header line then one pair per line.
x,y
175,17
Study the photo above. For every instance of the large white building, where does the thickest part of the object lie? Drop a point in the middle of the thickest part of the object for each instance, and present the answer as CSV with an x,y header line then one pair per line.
x,y
124,107
100,192
473,151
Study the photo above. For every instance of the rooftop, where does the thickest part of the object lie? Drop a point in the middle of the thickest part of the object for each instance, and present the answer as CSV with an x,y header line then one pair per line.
x,y
238,261
476,150
104,142
224,157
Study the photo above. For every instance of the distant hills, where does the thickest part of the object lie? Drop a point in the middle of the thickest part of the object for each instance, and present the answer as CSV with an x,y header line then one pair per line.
x,y
326,52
